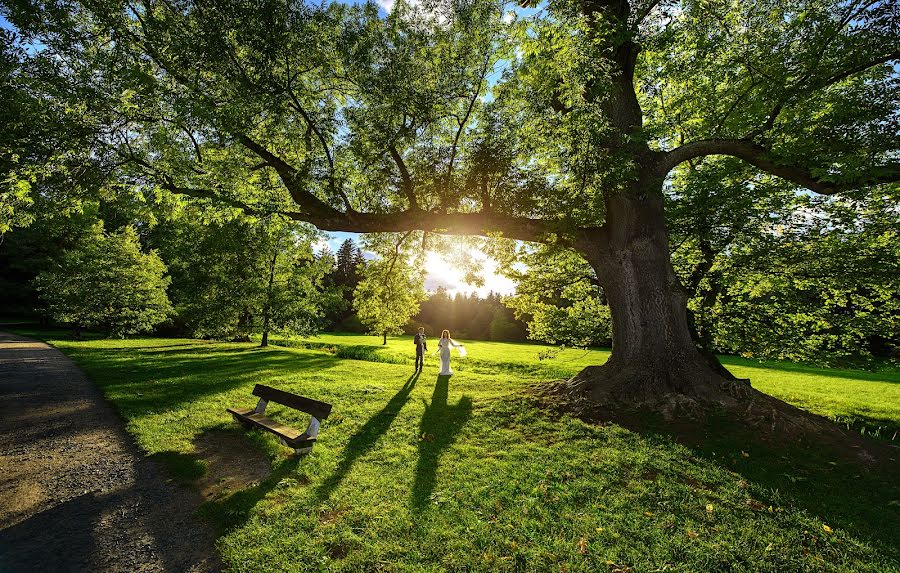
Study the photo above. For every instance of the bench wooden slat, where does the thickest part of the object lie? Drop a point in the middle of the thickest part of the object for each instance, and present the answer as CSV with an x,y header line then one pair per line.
x,y
240,411
292,437
286,432
320,410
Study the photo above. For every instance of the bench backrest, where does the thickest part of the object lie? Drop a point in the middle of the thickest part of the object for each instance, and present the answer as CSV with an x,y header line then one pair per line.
x,y
320,410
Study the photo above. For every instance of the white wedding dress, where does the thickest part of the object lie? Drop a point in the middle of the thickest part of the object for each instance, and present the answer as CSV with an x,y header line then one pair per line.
x,y
444,345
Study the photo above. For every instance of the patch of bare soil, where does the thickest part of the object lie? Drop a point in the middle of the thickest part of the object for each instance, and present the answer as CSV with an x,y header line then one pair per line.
x,y
233,463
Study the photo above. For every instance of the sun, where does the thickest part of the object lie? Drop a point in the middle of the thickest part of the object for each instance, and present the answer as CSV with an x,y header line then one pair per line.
x,y
440,273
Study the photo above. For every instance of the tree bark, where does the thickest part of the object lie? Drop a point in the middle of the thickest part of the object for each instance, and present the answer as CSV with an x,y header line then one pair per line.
x,y
267,311
655,362
385,339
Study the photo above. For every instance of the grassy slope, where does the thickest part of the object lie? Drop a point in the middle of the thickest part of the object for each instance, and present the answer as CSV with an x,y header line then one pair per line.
x,y
495,484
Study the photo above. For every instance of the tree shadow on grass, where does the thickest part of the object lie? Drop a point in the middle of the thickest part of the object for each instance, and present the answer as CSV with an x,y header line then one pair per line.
x,y
158,382
838,484
889,376
367,436
439,428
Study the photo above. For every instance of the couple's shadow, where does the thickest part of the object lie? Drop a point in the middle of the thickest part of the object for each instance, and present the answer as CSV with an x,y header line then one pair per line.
x,y
438,429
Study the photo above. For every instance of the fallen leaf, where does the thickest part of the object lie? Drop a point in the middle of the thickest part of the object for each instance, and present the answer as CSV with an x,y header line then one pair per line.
x,y
709,508
599,530
753,504
693,534
648,513
583,545
744,454
827,529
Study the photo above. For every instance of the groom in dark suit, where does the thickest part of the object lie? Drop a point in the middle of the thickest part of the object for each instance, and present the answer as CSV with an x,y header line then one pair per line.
x,y
421,347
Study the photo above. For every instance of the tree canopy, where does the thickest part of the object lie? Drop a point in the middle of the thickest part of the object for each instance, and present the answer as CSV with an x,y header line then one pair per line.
x,y
435,117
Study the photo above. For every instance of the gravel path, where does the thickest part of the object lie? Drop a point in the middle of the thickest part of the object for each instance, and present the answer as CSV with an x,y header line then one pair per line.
x,y
75,492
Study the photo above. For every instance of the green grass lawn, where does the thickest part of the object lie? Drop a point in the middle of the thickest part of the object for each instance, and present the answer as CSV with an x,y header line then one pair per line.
x,y
425,474
869,399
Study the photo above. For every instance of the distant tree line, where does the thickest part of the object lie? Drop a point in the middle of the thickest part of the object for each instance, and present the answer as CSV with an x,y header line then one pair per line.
x,y
470,316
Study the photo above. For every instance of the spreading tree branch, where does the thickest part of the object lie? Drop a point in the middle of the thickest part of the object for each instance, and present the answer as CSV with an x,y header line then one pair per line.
x,y
759,157
407,184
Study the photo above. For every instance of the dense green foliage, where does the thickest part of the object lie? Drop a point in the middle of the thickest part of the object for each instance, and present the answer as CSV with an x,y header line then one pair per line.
x,y
229,275
344,276
423,476
106,282
388,296
557,293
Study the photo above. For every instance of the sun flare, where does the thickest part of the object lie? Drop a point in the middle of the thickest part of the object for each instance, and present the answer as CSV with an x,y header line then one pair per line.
x,y
440,273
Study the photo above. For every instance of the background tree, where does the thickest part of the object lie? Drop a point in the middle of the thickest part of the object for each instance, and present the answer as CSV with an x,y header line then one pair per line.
x,y
233,277
107,282
388,296
345,276
296,297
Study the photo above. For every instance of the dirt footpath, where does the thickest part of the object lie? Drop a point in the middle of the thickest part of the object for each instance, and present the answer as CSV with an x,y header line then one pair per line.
x,y
75,492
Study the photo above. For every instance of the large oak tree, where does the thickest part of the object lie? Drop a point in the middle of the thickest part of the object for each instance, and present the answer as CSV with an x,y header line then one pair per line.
x,y
559,123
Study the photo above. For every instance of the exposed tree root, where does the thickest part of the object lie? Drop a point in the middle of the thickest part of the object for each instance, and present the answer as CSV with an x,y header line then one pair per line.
x,y
685,404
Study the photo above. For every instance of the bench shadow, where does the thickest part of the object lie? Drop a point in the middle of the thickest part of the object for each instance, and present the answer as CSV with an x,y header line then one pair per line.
x,y
234,510
438,429
366,437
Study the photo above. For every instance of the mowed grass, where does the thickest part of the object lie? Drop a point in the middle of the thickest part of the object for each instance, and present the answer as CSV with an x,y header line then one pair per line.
x,y
869,400
468,474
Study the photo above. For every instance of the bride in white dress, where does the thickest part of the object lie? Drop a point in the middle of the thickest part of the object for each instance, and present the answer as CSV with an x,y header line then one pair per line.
x,y
444,345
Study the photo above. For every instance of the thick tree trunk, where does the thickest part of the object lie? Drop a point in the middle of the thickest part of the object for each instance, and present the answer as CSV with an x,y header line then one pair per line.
x,y
654,361
384,342
267,311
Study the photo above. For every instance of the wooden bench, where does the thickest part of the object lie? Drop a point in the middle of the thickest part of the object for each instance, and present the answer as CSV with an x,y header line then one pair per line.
x,y
302,442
